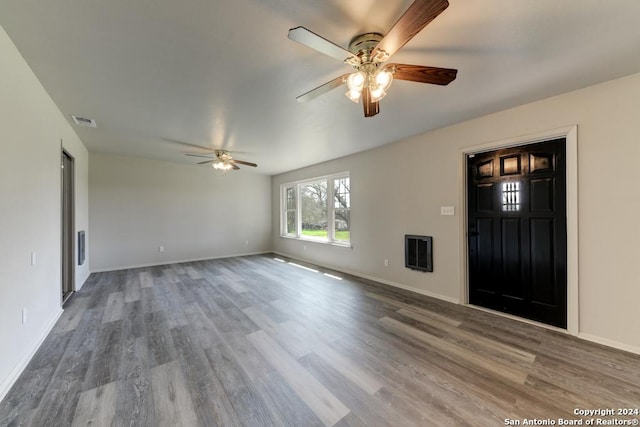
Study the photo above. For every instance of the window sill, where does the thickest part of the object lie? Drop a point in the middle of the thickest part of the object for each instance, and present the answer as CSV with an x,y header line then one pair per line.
x,y
322,242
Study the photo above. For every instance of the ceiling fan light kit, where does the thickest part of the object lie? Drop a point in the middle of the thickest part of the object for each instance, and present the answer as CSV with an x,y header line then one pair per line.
x,y
368,75
368,53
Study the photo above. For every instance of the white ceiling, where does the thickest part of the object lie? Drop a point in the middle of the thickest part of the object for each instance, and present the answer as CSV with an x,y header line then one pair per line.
x,y
223,74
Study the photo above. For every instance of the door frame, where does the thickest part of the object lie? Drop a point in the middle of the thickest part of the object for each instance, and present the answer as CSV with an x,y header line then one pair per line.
x,y
72,220
570,133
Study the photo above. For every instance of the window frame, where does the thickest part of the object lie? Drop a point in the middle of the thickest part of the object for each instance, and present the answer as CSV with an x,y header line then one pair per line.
x,y
284,210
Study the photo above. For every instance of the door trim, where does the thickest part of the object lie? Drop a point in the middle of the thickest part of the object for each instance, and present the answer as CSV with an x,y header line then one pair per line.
x,y
570,133
70,257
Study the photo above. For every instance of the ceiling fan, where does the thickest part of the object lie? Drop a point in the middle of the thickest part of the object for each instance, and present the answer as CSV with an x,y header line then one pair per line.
x,y
222,160
368,54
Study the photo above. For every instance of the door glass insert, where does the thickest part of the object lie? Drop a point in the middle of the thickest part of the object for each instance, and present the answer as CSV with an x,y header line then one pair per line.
x,y
510,196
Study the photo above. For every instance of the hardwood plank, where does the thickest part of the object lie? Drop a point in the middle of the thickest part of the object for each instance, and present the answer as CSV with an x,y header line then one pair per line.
x,y
427,316
96,407
429,389
370,411
407,377
72,315
106,356
170,275
286,407
115,307
159,340
146,279
59,402
212,405
132,287
324,404
240,300
202,328
283,333
134,402
473,341
171,397
454,351
350,370
133,318
252,361
249,406
193,273
237,286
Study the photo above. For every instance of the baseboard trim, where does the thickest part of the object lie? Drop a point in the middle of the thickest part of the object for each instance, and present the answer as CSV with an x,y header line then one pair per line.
x,y
8,382
375,279
154,264
609,343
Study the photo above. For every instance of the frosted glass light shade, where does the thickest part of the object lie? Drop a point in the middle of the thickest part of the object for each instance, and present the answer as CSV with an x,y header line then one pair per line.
x,y
356,81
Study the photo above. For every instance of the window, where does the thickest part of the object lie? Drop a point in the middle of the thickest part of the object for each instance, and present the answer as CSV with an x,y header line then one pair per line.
x,y
341,209
318,209
510,196
313,209
290,212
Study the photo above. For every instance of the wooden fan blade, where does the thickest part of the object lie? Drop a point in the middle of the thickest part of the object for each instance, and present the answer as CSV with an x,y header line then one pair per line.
x,y
370,108
188,144
419,14
242,162
205,162
319,43
234,166
321,90
421,74
198,155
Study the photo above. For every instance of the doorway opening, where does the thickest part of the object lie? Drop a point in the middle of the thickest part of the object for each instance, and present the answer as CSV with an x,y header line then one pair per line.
x,y
68,227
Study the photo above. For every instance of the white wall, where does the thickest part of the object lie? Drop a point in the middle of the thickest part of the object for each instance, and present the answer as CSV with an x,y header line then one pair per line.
x,y
195,212
31,128
426,173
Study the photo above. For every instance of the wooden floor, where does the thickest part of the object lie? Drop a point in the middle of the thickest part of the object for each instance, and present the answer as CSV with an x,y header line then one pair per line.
x,y
255,342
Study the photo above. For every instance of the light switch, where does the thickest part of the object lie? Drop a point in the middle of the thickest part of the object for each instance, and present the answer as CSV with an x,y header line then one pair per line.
x,y
447,210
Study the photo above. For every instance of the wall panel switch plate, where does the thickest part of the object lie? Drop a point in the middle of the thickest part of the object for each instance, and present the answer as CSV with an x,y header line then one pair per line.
x,y
447,210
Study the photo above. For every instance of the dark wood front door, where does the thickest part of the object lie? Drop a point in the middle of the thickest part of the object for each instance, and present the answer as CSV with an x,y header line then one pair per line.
x,y
517,231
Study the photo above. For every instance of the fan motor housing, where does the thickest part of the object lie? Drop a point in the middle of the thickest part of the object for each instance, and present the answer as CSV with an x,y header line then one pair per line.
x,y
364,43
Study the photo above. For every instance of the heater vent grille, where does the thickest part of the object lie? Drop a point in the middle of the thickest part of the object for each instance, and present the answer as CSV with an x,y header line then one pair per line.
x,y
418,252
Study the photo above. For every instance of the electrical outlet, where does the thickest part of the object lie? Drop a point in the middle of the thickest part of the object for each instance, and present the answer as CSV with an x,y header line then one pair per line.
x,y
246,243
386,263
160,248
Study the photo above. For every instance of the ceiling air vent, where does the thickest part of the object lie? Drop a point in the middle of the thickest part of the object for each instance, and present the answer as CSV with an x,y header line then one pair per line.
x,y
83,121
